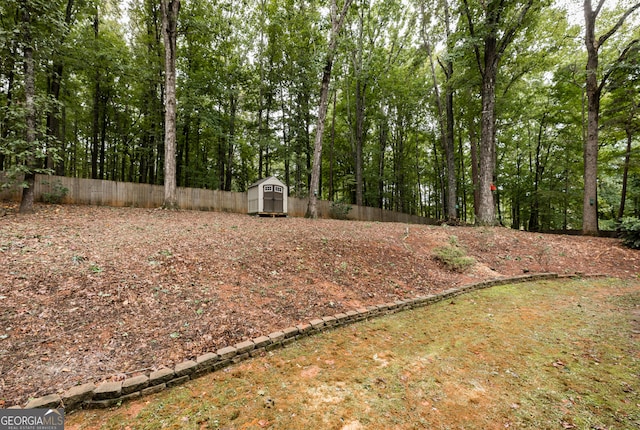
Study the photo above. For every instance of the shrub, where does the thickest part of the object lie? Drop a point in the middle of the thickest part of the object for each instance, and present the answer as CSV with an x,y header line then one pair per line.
x,y
339,210
454,257
56,193
629,229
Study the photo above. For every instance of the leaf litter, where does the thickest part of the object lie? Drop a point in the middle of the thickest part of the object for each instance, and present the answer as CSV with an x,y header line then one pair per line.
x,y
90,294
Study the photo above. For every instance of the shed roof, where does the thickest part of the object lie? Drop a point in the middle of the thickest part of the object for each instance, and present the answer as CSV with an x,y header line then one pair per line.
x,y
255,184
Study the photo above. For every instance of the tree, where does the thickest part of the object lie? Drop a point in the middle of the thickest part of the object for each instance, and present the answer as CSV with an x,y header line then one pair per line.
x,y
495,33
336,25
35,19
170,10
594,86
26,204
446,116
621,112
54,83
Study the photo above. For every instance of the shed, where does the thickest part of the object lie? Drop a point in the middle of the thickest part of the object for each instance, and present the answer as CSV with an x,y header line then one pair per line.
x,y
268,196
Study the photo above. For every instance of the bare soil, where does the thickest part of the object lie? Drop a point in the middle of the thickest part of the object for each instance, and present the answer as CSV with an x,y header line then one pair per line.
x,y
95,293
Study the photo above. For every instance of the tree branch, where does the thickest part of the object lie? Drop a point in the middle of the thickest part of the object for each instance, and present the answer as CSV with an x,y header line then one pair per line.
x,y
615,28
510,34
623,55
598,8
472,32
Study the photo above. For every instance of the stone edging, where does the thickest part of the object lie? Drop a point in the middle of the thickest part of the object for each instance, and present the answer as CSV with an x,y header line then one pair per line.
x,y
108,394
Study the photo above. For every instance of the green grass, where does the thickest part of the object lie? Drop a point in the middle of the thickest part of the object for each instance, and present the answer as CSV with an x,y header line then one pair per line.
x,y
454,258
545,355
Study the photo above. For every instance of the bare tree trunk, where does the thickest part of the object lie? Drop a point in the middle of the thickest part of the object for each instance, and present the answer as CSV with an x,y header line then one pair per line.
x,y
336,25
170,9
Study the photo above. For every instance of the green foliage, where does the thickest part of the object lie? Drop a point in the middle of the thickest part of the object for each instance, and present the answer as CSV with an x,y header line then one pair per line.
x,y
630,231
453,256
340,210
247,96
56,193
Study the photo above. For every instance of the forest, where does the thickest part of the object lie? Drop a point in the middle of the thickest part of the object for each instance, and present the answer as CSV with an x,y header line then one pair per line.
x,y
523,113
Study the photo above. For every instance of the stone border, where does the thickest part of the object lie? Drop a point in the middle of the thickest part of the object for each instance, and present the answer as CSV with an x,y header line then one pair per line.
x,y
109,394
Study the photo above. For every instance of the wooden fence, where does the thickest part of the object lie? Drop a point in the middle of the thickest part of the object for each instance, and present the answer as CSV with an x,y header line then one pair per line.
x,y
111,193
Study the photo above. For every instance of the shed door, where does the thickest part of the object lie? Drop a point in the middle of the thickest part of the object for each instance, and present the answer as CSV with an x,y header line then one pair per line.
x,y
273,198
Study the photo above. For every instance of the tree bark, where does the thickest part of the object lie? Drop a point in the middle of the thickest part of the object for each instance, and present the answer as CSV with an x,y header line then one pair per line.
x,y
486,205
336,25
170,9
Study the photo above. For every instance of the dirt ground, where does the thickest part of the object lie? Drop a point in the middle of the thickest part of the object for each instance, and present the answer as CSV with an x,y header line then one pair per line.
x,y
96,293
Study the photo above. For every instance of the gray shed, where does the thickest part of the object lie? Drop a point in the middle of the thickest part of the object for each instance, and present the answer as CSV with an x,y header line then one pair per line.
x,y
268,196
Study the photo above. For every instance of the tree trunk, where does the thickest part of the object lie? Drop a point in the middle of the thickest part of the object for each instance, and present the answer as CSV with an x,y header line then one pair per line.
x,y
383,142
312,211
445,118
9,85
336,25
594,91
486,204
360,109
332,148
625,174
170,9
475,174
487,62
463,179
26,204
449,149
54,85
103,135
286,140
230,146
96,108
590,201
